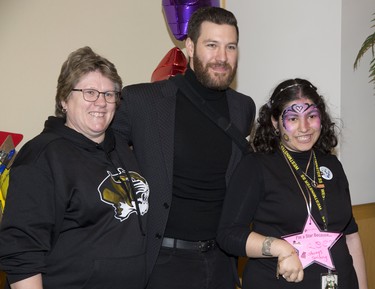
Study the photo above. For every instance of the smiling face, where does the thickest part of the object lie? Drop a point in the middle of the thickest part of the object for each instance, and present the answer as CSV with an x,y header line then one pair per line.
x,y
299,125
90,118
214,57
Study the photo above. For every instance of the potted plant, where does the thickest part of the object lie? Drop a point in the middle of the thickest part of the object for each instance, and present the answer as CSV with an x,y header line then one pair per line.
x,y
367,44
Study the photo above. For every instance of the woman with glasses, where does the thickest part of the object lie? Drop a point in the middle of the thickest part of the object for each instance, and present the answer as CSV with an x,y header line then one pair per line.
x,y
294,193
76,204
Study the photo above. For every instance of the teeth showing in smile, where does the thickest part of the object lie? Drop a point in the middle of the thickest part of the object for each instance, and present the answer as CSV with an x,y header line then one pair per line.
x,y
304,138
97,114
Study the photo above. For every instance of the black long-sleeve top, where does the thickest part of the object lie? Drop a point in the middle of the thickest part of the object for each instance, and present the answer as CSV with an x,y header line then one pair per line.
x,y
264,192
68,216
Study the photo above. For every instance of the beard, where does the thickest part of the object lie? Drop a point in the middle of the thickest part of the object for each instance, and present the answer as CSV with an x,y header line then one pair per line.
x,y
217,81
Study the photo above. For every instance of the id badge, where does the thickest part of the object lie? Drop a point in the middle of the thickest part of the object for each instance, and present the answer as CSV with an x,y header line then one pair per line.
x,y
329,280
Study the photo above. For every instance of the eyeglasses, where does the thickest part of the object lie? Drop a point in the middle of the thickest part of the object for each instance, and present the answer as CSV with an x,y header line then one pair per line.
x,y
92,95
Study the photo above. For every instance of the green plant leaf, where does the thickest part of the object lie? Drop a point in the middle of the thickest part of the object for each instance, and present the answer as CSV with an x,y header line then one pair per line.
x,y
369,43
372,70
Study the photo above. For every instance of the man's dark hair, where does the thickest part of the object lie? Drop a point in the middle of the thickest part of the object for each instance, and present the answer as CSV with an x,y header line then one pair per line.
x,y
215,15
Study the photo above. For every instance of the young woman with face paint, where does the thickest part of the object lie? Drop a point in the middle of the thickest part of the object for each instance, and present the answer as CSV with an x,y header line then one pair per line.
x,y
299,125
295,194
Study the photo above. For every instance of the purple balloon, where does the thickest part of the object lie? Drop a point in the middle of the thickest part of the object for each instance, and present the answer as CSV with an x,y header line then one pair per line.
x,y
178,12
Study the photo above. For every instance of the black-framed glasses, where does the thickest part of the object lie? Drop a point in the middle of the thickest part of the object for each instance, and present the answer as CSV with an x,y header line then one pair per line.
x,y
92,95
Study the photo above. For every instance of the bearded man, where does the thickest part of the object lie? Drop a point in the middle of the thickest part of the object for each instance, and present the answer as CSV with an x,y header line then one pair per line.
x,y
186,158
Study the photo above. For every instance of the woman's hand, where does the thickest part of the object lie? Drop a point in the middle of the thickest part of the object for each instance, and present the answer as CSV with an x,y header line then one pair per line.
x,y
289,265
34,282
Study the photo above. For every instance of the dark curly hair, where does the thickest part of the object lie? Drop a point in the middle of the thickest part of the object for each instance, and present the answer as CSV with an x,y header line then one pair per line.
x,y
267,140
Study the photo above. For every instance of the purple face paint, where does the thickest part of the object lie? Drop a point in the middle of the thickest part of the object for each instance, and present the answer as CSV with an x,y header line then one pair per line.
x,y
300,113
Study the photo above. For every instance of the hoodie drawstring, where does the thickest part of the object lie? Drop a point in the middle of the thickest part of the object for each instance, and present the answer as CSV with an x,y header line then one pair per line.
x,y
132,191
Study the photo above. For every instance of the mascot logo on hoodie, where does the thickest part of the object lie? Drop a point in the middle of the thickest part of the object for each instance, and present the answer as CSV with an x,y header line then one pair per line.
x,y
116,190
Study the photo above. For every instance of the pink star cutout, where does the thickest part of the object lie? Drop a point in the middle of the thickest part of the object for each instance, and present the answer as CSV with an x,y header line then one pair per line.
x,y
313,245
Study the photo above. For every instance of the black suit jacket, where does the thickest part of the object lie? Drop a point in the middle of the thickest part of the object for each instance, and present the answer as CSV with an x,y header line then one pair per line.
x,y
146,119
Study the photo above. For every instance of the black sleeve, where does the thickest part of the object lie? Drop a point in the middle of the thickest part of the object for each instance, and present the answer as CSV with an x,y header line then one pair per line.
x,y
241,201
252,110
122,120
352,226
28,222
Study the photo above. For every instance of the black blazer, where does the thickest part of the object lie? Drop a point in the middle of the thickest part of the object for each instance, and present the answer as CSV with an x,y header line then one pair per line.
x,y
146,119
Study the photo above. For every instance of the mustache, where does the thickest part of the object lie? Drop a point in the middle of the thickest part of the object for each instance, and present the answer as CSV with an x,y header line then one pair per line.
x,y
220,65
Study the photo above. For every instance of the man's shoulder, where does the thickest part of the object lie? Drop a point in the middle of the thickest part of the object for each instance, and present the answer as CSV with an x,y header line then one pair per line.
x,y
234,95
238,94
148,86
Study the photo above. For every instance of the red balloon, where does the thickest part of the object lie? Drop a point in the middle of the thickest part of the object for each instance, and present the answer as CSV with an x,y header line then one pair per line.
x,y
174,62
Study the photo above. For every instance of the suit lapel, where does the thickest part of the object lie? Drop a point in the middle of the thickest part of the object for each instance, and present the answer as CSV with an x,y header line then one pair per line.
x,y
165,107
234,107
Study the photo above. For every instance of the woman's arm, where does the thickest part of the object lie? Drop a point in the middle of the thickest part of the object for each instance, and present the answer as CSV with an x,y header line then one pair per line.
x,y
25,237
288,265
355,248
33,282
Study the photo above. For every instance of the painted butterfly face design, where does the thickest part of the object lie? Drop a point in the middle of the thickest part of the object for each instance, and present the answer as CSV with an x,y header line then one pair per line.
x,y
299,125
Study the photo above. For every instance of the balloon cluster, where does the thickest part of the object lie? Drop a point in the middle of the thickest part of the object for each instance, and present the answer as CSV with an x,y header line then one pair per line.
x,y
177,14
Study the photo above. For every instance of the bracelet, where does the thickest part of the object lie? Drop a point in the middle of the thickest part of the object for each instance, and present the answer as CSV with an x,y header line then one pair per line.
x,y
282,259
266,246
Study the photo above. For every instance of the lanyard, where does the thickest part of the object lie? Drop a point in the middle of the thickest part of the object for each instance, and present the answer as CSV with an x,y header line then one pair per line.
x,y
321,204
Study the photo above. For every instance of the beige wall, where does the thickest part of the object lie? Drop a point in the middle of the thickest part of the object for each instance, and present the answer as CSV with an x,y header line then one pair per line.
x,y
358,101
317,40
36,36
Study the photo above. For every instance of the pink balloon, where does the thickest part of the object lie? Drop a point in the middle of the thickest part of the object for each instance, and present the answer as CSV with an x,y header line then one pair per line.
x,y
174,62
178,12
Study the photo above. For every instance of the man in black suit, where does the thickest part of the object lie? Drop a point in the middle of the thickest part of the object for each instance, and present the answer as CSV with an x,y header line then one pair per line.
x,y
186,158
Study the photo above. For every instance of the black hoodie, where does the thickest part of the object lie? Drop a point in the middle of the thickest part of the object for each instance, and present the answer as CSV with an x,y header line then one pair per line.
x,y
70,212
